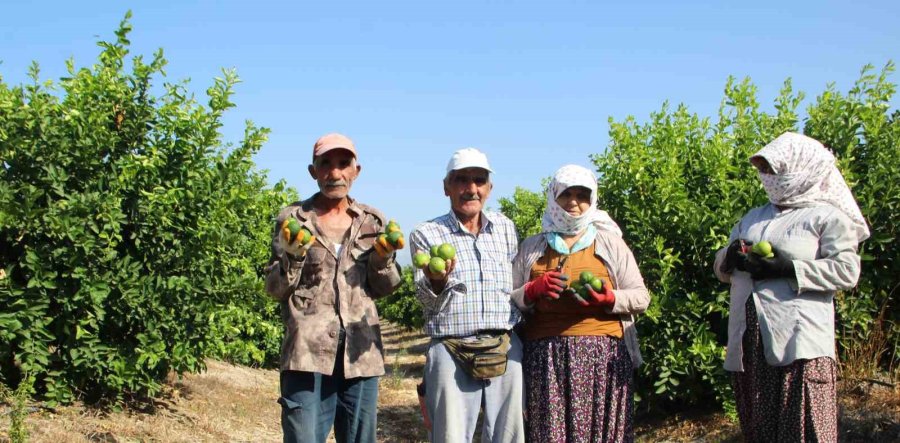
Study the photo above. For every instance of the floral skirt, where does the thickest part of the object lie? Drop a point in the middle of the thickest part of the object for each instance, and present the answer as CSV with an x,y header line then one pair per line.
x,y
795,403
578,389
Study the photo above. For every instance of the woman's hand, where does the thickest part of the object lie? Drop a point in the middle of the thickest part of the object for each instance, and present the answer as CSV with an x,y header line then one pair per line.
x,y
604,297
549,285
735,256
778,266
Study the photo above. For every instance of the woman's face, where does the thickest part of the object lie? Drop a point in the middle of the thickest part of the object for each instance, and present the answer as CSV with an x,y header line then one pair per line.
x,y
575,200
762,165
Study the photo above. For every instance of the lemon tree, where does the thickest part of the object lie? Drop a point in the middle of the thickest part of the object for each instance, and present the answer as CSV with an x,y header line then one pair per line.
x,y
132,238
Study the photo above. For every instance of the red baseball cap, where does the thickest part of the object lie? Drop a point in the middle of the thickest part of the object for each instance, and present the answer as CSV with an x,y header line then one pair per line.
x,y
331,141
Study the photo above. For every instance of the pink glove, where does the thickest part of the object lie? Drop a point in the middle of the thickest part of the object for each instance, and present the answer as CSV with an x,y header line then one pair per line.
x,y
605,297
548,285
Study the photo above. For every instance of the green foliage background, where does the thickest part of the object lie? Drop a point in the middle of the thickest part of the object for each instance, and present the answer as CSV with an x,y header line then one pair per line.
x,y
676,185
402,306
132,240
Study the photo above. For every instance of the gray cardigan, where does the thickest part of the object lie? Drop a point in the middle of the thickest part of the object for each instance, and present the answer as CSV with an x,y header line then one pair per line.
x,y
632,297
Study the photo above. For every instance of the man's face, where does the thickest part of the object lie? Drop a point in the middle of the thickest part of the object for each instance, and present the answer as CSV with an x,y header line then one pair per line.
x,y
468,189
335,171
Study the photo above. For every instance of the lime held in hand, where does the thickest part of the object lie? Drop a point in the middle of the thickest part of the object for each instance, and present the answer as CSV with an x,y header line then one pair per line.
x,y
586,277
446,251
394,236
763,249
437,265
421,260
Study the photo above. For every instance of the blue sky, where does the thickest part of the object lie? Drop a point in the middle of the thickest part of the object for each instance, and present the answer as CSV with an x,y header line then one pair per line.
x,y
530,83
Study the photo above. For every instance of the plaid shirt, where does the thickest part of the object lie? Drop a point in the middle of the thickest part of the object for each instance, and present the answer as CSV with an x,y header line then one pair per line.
x,y
477,294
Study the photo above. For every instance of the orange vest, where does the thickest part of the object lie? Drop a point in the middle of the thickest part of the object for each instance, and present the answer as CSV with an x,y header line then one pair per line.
x,y
565,316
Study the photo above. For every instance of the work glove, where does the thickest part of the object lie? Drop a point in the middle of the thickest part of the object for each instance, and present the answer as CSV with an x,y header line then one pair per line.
x,y
735,256
549,285
761,268
390,241
298,243
603,297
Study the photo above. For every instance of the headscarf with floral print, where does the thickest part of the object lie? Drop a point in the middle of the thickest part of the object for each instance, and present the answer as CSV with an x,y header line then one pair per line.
x,y
805,174
556,219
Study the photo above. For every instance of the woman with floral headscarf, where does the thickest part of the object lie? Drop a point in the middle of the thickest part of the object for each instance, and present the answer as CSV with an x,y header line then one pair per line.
x,y
781,324
580,350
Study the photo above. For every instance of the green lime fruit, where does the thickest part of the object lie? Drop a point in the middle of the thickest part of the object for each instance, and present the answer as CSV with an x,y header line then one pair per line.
x,y
392,226
307,236
421,259
293,226
597,284
434,251
437,265
394,236
446,251
577,285
586,277
302,236
763,249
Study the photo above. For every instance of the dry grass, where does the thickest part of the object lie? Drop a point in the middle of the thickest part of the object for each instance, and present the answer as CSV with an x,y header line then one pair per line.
x,y
236,404
226,403
870,411
399,419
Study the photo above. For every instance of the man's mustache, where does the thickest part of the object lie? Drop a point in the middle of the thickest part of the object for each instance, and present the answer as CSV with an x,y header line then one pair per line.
x,y
470,197
333,183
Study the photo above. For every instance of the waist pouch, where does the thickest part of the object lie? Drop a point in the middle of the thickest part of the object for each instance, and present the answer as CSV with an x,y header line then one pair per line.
x,y
482,358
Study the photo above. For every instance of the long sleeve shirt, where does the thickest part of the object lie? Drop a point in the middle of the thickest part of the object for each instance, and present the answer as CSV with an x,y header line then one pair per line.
x,y
796,315
329,290
632,296
477,294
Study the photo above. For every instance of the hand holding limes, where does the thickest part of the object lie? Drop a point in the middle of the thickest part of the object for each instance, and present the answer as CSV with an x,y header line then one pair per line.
x,y
294,238
438,262
390,240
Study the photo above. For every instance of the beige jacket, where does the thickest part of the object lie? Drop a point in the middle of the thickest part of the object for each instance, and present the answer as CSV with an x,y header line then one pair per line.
x,y
632,297
327,289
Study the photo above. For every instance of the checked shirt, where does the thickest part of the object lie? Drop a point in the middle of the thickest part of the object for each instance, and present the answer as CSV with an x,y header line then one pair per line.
x,y
477,294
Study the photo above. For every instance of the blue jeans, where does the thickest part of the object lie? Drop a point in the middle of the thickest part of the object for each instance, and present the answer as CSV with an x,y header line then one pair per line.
x,y
312,402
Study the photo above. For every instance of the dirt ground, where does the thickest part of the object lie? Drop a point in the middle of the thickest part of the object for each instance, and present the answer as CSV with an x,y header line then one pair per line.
x,y
238,404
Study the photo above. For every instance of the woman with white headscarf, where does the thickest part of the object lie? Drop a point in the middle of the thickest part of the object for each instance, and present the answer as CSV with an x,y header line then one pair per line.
x,y
580,351
781,323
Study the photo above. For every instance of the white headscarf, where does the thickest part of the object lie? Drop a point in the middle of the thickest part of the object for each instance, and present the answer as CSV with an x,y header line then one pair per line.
x,y
805,174
556,219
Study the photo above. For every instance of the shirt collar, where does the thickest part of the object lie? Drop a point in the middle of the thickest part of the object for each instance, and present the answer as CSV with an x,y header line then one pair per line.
x,y
457,227
306,207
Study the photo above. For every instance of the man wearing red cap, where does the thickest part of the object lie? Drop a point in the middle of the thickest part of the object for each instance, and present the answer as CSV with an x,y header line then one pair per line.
x,y
327,267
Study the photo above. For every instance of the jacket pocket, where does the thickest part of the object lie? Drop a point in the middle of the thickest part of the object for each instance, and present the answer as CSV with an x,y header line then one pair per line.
x,y
311,281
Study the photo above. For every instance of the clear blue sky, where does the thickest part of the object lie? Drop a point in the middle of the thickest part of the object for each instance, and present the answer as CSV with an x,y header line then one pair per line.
x,y
530,83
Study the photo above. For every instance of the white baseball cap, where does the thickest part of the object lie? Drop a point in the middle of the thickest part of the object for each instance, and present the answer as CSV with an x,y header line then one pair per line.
x,y
468,158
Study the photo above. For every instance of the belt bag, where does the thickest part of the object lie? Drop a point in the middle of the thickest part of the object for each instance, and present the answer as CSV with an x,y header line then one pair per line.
x,y
482,358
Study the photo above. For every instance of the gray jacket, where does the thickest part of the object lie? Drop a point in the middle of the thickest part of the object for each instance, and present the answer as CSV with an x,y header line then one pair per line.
x,y
796,315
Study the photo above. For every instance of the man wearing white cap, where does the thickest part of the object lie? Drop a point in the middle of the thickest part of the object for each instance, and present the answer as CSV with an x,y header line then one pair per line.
x,y
332,353
474,359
